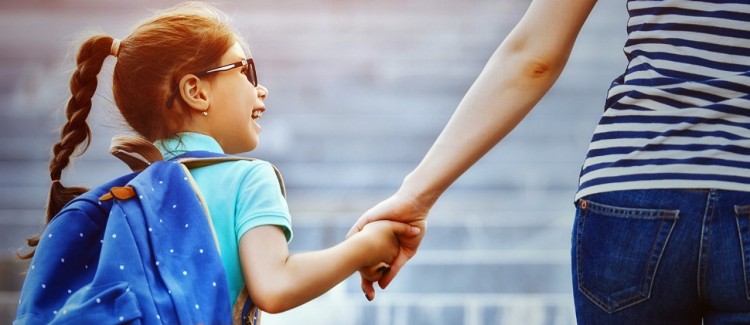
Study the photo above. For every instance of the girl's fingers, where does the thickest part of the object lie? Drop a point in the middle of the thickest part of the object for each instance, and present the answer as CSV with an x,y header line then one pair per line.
x,y
357,227
375,272
396,265
371,275
368,289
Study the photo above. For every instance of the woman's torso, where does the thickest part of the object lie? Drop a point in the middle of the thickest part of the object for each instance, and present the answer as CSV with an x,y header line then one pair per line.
x,y
679,117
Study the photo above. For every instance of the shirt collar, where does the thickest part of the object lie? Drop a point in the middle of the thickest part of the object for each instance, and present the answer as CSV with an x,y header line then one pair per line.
x,y
187,141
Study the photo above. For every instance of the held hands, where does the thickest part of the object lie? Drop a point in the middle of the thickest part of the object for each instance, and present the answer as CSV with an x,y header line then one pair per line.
x,y
402,210
382,238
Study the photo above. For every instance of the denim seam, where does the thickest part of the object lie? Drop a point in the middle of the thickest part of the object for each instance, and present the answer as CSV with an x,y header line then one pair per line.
x,y
647,285
705,240
651,275
740,212
579,231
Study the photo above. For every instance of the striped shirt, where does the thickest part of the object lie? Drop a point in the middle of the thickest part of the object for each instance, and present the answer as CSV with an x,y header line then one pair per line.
x,y
679,117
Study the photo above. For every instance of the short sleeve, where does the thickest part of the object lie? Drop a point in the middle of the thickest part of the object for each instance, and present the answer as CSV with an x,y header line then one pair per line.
x,y
260,202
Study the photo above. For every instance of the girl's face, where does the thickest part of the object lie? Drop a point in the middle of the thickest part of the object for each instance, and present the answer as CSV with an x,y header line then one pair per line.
x,y
235,105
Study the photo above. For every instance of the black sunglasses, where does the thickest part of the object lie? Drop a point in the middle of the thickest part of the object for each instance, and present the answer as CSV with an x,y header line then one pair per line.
x,y
249,72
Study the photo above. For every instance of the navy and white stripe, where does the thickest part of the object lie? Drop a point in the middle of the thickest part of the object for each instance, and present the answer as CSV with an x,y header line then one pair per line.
x,y
679,117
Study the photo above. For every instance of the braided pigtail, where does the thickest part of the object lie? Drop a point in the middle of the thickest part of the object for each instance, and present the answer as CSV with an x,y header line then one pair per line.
x,y
76,134
188,37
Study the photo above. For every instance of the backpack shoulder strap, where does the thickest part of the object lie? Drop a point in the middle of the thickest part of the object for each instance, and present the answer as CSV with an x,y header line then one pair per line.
x,y
195,159
138,153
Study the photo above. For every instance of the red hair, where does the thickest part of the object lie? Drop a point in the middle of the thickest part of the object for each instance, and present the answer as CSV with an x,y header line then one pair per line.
x,y
150,62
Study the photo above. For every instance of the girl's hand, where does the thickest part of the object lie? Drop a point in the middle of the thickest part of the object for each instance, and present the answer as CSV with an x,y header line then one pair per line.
x,y
375,272
382,238
396,208
278,281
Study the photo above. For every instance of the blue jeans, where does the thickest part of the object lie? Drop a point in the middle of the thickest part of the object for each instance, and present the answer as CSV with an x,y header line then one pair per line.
x,y
662,257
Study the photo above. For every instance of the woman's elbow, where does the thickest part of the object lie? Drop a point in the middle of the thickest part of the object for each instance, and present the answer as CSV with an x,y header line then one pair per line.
x,y
532,62
540,68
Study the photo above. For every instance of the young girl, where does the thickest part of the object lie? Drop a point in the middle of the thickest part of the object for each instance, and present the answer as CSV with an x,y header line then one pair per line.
x,y
184,80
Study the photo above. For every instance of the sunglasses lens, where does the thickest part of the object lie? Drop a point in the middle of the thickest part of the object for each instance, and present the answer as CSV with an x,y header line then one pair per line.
x,y
250,73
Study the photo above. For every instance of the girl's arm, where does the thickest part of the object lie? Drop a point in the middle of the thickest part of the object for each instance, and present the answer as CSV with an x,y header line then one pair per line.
x,y
278,281
522,69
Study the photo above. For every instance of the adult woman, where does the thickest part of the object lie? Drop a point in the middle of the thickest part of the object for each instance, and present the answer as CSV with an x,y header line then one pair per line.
x,y
665,189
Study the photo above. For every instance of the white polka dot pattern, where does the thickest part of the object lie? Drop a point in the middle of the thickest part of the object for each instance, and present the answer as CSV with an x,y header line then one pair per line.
x,y
146,248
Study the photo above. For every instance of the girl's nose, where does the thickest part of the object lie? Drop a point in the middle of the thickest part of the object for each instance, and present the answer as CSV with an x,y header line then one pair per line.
x,y
262,91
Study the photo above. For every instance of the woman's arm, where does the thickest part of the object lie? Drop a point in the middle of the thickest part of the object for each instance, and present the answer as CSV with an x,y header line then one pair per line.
x,y
517,76
520,72
278,281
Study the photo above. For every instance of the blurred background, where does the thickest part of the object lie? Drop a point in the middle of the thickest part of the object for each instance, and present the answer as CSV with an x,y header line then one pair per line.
x,y
358,92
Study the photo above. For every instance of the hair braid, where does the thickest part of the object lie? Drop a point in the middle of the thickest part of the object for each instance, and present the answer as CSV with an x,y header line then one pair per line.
x,y
194,35
76,134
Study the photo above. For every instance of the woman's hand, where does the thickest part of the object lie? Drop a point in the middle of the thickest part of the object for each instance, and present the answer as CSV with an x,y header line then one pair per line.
x,y
396,208
381,242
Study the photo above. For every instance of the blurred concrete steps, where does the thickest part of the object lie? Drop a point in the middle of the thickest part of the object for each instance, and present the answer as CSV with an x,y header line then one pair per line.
x,y
12,272
359,90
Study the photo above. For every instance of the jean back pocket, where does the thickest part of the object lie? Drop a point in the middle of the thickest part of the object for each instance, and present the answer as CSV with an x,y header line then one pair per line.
x,y
617,252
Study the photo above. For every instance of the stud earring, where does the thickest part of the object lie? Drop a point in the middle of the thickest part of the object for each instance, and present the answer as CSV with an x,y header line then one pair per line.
x,y
205,113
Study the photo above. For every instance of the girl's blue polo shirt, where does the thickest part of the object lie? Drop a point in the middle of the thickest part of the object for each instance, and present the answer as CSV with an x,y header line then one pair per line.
x,y
240,195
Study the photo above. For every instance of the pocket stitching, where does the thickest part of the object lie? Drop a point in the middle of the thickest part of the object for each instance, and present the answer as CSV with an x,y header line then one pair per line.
x,y
645,292
633,213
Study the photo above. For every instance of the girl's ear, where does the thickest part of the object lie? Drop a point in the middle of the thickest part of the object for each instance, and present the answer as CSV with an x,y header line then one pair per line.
x,y
194,92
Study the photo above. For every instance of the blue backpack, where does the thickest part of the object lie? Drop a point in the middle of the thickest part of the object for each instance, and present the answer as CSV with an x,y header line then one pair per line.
x,y
140,249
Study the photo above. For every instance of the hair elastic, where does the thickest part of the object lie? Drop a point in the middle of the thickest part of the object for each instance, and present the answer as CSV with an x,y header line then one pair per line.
x,y
115,49
55,181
